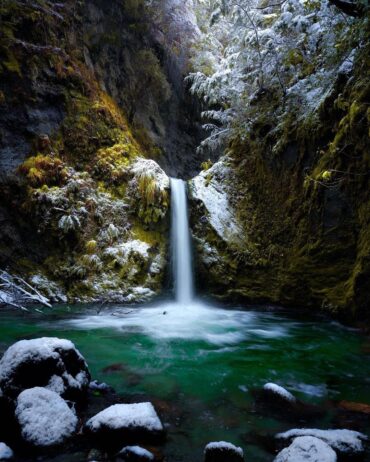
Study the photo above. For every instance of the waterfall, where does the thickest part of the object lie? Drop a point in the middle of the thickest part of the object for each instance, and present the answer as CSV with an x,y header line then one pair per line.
x,y
181,244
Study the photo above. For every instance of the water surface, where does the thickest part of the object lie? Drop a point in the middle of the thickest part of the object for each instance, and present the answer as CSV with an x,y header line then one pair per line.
x,y
199,364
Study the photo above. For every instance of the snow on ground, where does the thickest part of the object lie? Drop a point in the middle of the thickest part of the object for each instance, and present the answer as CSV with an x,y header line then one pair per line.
x,y
210,187
277,389
44,417
342,440
139,294
307,449
128,249
120,416
5,452
49,288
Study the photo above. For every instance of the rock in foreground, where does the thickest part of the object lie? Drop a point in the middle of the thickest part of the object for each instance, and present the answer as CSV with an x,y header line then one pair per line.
x,y
45,362
132,423
307,449
44,417
344,441
5,452
223,452
135,454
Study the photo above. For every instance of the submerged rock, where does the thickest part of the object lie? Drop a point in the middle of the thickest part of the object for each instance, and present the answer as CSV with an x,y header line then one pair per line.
x,y
344,441
222,451
45,362
275,400
44,417
5,452
135,454
275,391
307,449
132,423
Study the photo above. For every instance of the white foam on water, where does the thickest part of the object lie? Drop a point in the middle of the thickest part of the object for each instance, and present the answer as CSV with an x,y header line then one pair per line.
x,y
194,321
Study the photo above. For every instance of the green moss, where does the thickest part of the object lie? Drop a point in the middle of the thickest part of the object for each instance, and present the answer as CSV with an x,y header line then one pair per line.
x,y
303,204
41,170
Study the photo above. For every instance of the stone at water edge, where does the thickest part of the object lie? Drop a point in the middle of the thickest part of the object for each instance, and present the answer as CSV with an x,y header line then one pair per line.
x,y
47,362
44,417
135,454
273,399
343,441
276,391
5,452
222,451
307,449
126,423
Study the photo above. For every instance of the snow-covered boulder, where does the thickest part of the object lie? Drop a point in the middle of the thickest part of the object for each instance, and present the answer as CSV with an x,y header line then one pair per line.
x,y
5,452
44,417
222,451
344,441
307,449
135,454
130,423
46,362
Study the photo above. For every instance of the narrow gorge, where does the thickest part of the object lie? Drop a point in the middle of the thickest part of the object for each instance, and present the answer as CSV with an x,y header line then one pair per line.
x,y
184,195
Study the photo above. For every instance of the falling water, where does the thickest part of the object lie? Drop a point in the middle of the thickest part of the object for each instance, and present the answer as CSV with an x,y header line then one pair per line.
x,y
181,245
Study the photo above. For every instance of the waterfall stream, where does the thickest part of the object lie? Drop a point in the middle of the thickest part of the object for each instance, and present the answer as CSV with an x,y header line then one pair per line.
x,y
181,243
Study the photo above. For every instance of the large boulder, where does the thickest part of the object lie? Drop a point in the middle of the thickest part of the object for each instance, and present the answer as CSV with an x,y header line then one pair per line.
x,y
222,451
5,452
44,417
307,449
347,442
45,362
127,423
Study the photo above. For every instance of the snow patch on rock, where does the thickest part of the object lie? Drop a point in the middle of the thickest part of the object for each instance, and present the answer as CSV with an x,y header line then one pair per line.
x,y
48,352
136,453
121,416
224,445
5,452
44,417
278,390
347,441
307,449
147,167
210,187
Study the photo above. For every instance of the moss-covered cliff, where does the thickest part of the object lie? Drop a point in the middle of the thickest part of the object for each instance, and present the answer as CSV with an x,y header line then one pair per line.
x,y
285,216
83,210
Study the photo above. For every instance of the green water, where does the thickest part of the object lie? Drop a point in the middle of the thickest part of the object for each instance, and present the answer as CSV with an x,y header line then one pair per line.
x,y
199,366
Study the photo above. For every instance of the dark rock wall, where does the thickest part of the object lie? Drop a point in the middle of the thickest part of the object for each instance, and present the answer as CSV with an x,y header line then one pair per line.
x,y
301,195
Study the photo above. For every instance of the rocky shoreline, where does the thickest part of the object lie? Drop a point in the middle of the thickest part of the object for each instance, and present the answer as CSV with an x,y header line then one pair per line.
x,y
50,406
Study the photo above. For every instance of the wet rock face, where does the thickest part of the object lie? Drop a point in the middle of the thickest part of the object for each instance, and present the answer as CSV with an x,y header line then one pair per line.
x,y
47,362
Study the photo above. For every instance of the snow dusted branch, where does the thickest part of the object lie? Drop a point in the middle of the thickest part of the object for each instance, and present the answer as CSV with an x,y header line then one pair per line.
x,y
16,292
